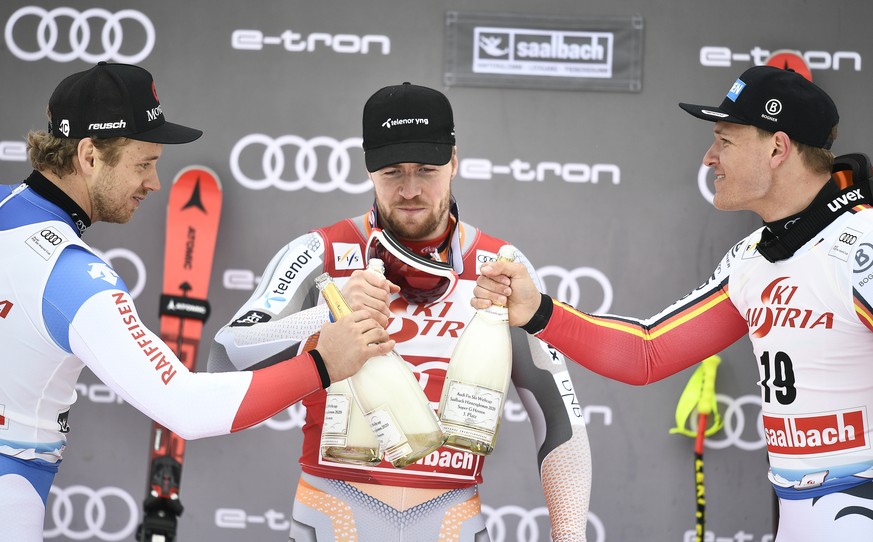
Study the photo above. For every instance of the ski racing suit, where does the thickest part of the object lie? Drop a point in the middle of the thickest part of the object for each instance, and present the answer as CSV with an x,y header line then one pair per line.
x,y
62,308
809,318
435,498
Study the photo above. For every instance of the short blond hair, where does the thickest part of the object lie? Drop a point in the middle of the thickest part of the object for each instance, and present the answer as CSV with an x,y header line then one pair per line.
x,y
816,159
56,154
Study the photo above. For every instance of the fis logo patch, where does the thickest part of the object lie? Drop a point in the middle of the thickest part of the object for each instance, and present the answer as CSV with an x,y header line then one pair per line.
x,y
347,256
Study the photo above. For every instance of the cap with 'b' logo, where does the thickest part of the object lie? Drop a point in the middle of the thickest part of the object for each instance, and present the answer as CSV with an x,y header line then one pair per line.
x,y
776,100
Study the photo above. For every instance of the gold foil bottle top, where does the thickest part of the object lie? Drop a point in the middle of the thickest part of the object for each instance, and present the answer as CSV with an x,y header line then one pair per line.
x,y
338,305
506,254
376,265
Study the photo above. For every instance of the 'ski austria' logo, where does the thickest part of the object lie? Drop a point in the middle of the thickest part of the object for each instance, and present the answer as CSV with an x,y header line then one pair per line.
x,y
777,311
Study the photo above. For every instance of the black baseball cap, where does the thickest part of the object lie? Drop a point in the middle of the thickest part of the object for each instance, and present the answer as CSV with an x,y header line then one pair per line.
x,y
113,100
407,123
776,100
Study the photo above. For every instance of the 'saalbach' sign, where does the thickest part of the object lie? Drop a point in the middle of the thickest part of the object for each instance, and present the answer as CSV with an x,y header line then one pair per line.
x,y
522,51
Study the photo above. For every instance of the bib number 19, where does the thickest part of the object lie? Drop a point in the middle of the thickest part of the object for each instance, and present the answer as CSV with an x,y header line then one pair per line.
x,y
778,378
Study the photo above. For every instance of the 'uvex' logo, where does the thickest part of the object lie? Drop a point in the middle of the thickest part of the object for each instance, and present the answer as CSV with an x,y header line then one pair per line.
x,y
837,203
776,311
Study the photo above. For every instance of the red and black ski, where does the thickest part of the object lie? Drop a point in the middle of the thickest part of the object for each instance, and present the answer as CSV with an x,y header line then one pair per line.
x,y
193,213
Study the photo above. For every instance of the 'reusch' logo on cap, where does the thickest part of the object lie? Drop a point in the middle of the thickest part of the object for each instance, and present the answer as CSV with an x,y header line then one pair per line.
x,y
117,125
735,90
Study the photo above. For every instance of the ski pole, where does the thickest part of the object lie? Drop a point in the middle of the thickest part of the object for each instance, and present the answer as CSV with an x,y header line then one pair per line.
x,y
699,394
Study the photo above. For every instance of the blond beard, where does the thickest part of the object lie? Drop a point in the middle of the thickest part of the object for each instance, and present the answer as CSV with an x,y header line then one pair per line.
x,y
429,228
105,206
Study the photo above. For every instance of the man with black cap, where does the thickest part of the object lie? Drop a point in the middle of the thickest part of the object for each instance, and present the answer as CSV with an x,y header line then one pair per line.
x,y
431,259
62,307
800,287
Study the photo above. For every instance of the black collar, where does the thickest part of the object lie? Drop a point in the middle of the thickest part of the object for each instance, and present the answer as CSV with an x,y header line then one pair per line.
x,y
54,194
781,239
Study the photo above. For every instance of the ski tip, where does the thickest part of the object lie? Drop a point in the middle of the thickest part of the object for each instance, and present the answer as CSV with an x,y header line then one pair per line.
x,y
787,59
196,170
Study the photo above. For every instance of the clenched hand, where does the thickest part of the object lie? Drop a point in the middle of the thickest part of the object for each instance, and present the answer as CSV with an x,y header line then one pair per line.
x,y
350,341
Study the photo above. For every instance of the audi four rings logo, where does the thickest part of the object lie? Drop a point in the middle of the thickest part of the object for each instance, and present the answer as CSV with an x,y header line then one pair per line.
x,y
568,287
51,237
735,432
47,44
305,172
848,238
104,511
527,529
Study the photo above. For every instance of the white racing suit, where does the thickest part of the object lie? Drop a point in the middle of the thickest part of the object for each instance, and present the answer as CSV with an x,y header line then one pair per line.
x,y
63,308
810,321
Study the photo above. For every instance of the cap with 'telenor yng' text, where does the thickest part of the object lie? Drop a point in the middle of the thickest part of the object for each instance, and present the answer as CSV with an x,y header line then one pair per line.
x,y
407,123
776,100
113,100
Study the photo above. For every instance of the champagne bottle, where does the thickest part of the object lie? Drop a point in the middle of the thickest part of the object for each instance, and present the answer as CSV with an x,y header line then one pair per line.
x,y
477,378
387,392
346,436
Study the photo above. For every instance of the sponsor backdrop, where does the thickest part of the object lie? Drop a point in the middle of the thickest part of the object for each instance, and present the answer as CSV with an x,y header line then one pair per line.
x,y
571,146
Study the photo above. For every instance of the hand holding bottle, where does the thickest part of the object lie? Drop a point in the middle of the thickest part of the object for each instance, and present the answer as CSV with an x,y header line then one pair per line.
x,y
478,377
388,394
346,436
508,284
365,290
349,342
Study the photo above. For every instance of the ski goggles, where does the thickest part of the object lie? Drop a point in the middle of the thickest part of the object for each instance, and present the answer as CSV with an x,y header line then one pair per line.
x,y
421,280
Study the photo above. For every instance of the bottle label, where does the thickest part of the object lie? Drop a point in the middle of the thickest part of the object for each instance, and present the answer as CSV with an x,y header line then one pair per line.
x,y
473,406
387,431
337,408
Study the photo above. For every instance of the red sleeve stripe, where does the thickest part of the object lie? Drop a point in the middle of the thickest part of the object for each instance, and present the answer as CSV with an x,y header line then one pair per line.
x,y
275,388
865,313
665,324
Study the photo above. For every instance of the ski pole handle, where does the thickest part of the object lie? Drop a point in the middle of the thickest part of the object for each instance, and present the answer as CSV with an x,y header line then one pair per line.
x,y
707,392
